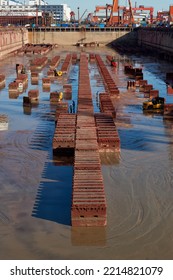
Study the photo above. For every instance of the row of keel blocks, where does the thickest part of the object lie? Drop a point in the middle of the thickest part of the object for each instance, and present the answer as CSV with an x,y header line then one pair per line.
x,y
88,202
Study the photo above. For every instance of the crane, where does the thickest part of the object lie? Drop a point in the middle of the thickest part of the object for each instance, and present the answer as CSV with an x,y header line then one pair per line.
x,y
142,8
72,16
113,8
131,12
128,14
80,19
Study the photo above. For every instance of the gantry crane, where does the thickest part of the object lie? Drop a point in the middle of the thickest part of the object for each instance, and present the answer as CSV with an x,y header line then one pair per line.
x,y
142,8
115,8
127,14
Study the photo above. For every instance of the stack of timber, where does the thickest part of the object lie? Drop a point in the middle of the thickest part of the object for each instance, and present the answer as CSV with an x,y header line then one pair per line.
x,y
86,134
30,49
38,63
33,94
66,64
92,57
61,107
88,200
107,134
24,79
56,97
64,136
110,85
67,91
54,62
74,58
106,105
34,78
46,83
133,72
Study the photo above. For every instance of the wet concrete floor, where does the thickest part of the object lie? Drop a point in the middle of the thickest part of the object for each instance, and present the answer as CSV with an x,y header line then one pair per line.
x,y
36,188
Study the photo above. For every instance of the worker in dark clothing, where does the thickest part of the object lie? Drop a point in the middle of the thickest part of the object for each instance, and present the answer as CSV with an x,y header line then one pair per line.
x,y
55,72
23,71
73,105
71,109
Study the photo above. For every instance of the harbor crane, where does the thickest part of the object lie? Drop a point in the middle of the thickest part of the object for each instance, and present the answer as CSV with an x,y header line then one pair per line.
x,y
122,14
80,19
114,8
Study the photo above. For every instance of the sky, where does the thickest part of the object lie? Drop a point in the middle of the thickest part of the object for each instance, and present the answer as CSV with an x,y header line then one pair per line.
x,y
90,4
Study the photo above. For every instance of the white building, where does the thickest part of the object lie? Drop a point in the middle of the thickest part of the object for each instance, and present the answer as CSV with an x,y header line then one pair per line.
x,y
9,3
28,8
36,2
59,12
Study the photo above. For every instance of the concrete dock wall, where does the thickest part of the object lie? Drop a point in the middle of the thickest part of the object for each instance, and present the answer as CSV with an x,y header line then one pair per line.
x,y
127,41
159,40
72,37
11,40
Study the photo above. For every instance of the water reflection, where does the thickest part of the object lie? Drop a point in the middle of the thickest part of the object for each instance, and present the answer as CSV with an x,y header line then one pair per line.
x,y
90,236
27,110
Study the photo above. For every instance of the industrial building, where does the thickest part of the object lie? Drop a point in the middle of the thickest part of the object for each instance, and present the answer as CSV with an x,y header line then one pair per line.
x,y
41,13
32,12
59,12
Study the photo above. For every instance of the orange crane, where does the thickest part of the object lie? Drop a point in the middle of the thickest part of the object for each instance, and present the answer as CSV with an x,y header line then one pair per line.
x,y
131,12
142,8
113,8
128,17
106,8
127,13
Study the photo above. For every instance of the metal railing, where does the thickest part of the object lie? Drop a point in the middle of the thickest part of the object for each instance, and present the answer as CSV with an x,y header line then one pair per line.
x,y
80,29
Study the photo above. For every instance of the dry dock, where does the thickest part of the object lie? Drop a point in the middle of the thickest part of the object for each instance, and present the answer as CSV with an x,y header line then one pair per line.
x,y
37,185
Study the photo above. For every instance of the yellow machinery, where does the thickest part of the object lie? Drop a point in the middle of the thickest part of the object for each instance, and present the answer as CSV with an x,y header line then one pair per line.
x,y
58,73
156,103
60,96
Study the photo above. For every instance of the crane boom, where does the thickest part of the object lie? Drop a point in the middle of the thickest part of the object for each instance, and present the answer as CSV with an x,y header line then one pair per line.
x,y
113,10
131,12
82,15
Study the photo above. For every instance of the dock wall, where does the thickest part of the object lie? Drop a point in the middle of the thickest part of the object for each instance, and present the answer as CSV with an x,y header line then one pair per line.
x,y
11,40
125,42
159,40
63,36
156,41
